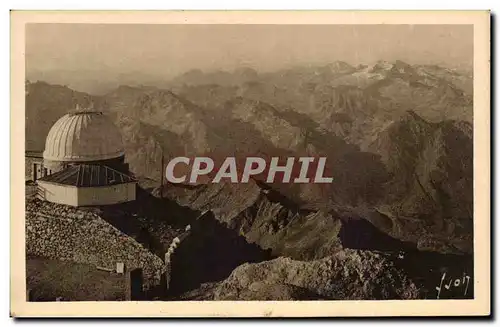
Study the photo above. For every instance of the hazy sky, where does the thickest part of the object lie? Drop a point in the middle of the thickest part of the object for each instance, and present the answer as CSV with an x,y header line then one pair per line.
x,y
173,49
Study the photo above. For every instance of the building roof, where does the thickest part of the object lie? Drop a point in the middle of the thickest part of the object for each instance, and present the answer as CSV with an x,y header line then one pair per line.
x,y
82,136
84,175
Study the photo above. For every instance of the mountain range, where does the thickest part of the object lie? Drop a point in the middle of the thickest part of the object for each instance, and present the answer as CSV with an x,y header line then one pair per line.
x,y
398,140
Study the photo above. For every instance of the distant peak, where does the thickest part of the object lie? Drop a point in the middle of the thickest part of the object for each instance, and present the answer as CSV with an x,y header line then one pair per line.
x,y
339,65
401,63
381,65
411,115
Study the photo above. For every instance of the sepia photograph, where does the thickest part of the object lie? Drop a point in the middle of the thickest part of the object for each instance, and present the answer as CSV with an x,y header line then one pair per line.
x,y
227,161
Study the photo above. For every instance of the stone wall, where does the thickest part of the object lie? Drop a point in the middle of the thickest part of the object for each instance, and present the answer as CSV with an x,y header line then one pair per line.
x,y
170,254
73,234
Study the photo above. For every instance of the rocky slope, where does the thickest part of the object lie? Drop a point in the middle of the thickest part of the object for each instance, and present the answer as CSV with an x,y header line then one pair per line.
x,y
265,217
332,255
346,275
273,221
430,190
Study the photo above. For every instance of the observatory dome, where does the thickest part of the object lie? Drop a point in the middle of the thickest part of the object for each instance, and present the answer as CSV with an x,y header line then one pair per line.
x,y
83,136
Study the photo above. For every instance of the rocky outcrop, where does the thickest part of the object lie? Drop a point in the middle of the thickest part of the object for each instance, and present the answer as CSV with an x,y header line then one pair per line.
x,y
347,275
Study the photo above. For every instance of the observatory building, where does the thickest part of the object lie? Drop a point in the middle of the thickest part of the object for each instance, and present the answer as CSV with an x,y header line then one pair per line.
x,y
84,162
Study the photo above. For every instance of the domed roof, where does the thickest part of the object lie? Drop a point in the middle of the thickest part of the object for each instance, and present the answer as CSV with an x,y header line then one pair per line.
x,y
83,136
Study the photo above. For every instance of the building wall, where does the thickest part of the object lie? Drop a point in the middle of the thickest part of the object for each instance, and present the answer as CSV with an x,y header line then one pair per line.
x,y
34,167
67,233
28,167
57,193
86,196
106,194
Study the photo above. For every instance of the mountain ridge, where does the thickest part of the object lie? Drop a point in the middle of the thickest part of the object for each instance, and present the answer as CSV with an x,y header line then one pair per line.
x,y
395,162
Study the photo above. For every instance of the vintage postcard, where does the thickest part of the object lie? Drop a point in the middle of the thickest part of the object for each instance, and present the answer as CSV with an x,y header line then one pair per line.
x,y
248,164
